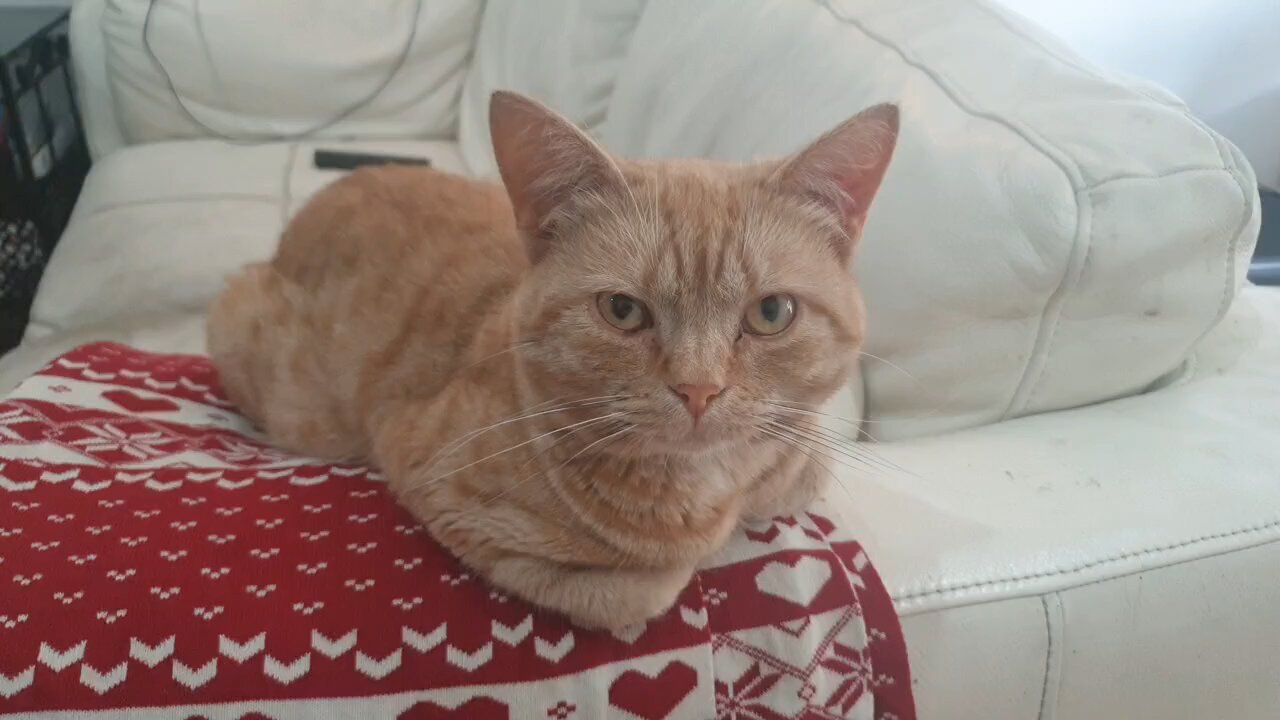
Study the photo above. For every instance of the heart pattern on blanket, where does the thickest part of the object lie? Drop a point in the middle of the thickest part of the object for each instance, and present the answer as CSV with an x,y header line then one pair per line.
x,y
478,708
798,582
653,697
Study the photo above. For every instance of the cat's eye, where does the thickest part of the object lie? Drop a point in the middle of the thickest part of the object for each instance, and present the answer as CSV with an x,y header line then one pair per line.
x,y
623,311
770,316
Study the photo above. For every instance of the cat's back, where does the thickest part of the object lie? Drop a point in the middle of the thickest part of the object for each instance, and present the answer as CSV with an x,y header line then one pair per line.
x,y
377,289
401,220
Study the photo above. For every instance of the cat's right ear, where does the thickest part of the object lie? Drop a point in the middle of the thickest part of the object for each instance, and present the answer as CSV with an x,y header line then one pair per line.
x,y
842,170
544,161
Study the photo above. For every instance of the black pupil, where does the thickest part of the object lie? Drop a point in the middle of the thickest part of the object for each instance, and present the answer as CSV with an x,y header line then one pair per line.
x,y
770,308
621,305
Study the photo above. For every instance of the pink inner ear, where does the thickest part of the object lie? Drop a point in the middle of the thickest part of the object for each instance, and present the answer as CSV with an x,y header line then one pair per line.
x,y
843,169
544,160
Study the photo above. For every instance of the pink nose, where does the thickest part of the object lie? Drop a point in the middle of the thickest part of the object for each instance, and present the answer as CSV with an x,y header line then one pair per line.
x,y
697,397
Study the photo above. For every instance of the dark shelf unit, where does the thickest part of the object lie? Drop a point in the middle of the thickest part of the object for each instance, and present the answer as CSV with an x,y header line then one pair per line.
x,y
43,154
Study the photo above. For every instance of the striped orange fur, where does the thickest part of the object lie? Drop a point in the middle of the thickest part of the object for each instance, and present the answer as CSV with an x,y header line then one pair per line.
x,y
567,378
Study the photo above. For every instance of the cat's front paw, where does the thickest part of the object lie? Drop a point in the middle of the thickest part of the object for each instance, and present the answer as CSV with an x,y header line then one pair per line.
x,y
637,600
595,598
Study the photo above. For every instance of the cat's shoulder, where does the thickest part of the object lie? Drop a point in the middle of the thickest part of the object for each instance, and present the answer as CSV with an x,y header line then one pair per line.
x,y
399,199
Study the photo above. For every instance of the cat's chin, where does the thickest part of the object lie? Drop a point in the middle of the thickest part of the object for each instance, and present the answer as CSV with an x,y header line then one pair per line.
x,y
689,442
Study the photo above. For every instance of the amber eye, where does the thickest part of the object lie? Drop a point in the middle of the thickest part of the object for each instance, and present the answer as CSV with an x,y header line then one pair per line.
x,y
623,311
770,316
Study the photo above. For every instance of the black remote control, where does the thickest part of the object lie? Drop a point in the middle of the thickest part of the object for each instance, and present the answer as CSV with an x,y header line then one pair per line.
x,y
343,160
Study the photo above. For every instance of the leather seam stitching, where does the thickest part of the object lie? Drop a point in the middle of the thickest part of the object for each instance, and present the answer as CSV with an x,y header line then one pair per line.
x,y
1048,655
1233,243
1031,383
1264,527
1226,166
1137,177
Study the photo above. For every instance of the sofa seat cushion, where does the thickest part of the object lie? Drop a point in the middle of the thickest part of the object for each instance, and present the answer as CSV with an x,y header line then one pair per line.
x,y
1124,556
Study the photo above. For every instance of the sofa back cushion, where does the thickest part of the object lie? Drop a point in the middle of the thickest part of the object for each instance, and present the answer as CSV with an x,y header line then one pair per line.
x,y
1048,235
566,53
253,70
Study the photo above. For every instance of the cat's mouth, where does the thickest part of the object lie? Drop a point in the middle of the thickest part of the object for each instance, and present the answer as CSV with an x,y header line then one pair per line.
x,y
669,438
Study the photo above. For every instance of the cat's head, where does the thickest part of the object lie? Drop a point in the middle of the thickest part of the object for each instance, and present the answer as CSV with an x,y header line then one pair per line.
x,y
683,299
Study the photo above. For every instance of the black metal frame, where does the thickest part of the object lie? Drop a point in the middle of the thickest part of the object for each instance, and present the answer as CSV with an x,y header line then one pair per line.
x,y
36,198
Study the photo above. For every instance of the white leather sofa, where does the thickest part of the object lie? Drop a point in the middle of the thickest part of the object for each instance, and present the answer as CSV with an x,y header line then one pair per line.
x,y
1079,504
1220,56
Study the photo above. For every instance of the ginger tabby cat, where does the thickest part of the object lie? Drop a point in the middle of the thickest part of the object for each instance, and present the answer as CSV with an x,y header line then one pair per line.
x,y
578,385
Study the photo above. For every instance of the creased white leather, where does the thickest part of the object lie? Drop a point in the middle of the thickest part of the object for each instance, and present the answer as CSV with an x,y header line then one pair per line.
x,y
93,88
1184,642
980,662
157,228
1047,236
565,53
1189,641
1058,500
248,69
1141,535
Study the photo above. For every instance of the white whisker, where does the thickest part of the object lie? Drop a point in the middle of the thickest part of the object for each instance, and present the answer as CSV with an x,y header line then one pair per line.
x,y
518,346
524,443
855,451
574,456
808,408
859,450
584,403
527,478
812,455
791,434
625,427
913,378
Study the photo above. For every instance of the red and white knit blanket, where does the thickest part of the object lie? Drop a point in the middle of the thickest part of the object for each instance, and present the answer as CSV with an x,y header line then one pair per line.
x,y
159,560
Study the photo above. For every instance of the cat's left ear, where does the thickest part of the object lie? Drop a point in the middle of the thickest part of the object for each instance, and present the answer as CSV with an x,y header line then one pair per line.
x,y
842,170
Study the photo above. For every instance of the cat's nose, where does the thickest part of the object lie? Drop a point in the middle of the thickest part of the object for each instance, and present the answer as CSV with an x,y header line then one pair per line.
x,y
697,397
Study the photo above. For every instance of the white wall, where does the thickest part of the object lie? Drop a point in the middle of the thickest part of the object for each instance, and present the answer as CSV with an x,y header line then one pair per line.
x,y
1221,56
